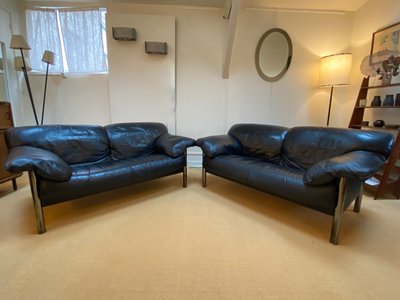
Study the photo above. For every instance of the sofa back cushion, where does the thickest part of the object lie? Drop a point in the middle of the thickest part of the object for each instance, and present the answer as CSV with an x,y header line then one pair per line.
x,y
128,140
264,141
306,146
75,144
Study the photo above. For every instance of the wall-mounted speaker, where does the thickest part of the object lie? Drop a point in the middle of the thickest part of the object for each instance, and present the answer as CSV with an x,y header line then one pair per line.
x,y
124,33
156,47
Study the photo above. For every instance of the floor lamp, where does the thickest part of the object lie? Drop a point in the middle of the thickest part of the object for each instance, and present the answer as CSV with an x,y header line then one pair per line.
x,y
48,58
19,42
334,72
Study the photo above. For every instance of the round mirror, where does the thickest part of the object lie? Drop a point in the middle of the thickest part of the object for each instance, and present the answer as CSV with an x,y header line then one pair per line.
x,y
273,54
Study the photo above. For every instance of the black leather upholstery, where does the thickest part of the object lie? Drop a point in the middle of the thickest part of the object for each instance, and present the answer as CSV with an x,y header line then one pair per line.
x,y
172,145
301,164
360,165
306,146
96,178
263,141
71,161
128,140
271,178
46,164
219,145
73,143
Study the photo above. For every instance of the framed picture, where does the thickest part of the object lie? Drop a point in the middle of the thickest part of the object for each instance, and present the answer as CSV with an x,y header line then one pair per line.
x,y
385,42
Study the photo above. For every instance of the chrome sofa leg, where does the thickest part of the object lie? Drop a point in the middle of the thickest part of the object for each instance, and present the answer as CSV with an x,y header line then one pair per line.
x,y
184,176
40,225
337,218
357,203
14,184
204,177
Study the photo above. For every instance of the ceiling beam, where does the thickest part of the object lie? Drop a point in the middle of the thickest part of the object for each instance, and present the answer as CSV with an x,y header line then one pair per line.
x,y
232,17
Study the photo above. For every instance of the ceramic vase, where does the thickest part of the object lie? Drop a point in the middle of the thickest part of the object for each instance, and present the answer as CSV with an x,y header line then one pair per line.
x,y
389,100
379,123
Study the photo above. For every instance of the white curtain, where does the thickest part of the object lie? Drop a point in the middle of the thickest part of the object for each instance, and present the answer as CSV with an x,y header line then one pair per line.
x,y
43,34
83,41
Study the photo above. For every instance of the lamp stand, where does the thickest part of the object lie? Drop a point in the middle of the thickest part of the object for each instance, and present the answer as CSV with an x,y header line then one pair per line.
x,y
329,109
44,93
28,86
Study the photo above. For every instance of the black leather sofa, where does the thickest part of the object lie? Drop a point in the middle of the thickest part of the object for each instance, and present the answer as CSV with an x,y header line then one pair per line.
x,y
320,168
71,161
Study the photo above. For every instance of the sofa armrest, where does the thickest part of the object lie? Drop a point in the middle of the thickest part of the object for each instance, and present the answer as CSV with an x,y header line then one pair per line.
x,y
44,163
173,145
360,165
219,145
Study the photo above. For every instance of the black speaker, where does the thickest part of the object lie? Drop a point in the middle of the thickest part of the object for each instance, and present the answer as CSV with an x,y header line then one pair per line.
x,y
156,47
124,33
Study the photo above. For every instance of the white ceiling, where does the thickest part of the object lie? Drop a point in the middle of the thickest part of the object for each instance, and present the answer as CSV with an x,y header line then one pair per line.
x,y
341,5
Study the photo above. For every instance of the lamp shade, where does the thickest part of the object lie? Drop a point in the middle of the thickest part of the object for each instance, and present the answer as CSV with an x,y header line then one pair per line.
x,y
18,64
335,70
19,42
48,57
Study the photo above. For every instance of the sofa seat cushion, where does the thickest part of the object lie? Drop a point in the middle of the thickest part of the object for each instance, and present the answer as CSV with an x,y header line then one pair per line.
x,y
96,178
274,179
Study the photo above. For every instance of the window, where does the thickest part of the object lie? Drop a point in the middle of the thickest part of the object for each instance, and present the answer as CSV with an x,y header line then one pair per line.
x,y
76,36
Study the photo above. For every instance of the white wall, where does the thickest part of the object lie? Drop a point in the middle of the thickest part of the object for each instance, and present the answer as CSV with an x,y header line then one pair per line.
x,y
208,104
10,23
142,85
295,99
201,91
71,99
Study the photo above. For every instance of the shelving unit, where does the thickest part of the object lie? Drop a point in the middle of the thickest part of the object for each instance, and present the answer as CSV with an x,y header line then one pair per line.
x,y
6,121
387,180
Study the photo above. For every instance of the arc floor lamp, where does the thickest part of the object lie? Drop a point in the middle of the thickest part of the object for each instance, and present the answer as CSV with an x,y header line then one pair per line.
x,y
334,72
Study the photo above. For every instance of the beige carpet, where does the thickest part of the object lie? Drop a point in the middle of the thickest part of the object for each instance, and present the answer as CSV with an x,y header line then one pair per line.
x,y
160,241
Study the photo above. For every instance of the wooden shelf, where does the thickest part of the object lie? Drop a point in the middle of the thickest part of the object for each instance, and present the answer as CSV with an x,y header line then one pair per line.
x,y
396,169
391,188
373,127
6,122
379,86
376,107
387,180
